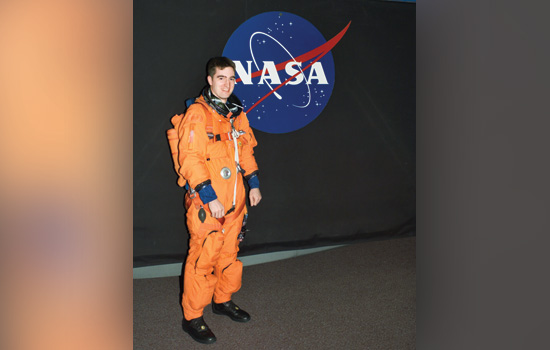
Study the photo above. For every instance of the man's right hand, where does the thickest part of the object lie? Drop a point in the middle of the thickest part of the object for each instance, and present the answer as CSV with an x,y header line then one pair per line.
x,y
216,208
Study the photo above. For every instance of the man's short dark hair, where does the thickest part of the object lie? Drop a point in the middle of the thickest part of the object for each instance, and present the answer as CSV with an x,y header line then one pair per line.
x,y
218,62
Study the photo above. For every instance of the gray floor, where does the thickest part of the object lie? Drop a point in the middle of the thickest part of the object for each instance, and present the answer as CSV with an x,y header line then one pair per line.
x,y
361,296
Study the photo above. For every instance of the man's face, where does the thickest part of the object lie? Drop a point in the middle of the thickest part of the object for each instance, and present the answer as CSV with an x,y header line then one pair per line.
x,y
223,83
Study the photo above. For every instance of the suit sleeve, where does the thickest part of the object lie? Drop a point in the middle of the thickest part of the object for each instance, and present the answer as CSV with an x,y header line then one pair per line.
x,y
192,147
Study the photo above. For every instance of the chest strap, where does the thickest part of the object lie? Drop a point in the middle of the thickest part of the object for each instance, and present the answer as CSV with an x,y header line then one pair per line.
x,y
228,136
220,137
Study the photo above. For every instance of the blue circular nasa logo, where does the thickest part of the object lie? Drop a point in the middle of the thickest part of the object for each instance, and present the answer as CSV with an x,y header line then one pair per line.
x,y
284,68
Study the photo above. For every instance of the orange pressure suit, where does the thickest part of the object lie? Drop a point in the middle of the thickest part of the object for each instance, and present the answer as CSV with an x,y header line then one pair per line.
x,y
206,152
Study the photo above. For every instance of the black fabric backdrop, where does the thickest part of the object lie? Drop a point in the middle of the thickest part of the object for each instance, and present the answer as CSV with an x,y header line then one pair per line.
x,y
347,176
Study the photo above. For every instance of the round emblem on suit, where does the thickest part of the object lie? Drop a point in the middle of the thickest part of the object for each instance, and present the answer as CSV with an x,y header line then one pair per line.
x,y
225,173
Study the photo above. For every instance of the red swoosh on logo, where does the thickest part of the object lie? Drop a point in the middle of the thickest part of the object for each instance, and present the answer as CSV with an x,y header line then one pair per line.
x,y
318,52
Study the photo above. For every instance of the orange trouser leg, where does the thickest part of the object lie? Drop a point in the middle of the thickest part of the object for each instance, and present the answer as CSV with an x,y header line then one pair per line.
x,y
198,280
205,244
211,268
228,269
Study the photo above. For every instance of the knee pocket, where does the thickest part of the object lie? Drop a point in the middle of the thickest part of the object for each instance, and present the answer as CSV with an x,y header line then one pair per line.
x,y
230,277
199,293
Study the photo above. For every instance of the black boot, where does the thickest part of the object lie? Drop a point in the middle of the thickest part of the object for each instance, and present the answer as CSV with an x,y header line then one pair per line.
x,y
230,309
199,330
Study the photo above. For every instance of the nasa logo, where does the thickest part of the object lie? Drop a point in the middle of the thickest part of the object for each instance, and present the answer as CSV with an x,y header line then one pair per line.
x,y
284,68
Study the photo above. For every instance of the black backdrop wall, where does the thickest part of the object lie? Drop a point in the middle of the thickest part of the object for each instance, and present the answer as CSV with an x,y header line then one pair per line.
x,y
347,176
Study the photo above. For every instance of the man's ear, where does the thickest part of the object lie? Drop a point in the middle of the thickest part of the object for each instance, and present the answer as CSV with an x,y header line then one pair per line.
x,y
209,79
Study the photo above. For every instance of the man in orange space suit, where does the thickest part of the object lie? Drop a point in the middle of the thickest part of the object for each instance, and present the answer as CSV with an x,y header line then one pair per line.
x,y
215,152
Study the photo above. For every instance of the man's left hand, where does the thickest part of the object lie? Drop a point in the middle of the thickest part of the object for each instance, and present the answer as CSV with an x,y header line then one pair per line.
x,y
255,196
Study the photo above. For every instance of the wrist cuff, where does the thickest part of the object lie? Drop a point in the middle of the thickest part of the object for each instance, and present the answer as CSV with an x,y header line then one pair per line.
x,y
207,194
254,182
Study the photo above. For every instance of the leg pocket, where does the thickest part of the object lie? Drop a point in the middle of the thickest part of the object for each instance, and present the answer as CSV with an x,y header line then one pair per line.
x,y
229,280
210,253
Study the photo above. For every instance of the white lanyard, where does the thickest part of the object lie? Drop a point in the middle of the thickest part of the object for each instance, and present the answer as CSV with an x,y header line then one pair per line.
x,y
235,135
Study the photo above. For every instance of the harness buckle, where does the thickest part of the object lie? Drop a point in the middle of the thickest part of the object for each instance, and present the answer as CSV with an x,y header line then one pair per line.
x,y
236,134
